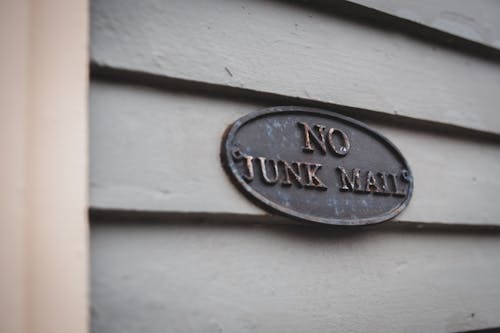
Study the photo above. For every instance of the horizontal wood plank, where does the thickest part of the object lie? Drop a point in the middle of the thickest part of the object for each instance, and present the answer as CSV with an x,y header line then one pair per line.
x,y
476,21
157,150
199,277
302,52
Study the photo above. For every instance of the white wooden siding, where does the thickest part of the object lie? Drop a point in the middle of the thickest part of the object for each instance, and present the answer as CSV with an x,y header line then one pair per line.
x,y
207,277
157,150
473,20
295,50
170,76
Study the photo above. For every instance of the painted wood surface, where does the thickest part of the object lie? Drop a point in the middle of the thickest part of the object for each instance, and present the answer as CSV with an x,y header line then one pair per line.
x,y
208,277
297,50
473,20
157,150
154,154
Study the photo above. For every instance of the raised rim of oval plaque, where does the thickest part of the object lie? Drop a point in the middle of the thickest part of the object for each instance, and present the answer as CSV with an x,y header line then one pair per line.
x,y
316,165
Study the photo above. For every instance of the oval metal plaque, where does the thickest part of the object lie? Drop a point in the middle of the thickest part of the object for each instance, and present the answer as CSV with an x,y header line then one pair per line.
x,y
316,165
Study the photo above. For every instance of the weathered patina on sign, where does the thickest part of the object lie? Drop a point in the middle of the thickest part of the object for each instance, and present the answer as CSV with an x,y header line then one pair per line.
x,y
316,165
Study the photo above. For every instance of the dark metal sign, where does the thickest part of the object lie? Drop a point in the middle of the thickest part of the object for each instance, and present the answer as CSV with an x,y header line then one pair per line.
x,y
316,165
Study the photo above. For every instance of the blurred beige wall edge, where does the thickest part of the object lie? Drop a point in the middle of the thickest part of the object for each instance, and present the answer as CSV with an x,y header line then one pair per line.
x,y
43,147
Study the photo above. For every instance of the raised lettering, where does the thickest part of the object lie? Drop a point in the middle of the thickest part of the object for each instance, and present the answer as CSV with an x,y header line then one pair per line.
x,y
371,183
237,156
343,149
383,184
405,176
348,184
308,133
397,191
263,170
291,173
312,179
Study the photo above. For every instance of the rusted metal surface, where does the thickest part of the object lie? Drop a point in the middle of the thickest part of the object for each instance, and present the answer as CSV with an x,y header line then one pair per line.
x,y
316,165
